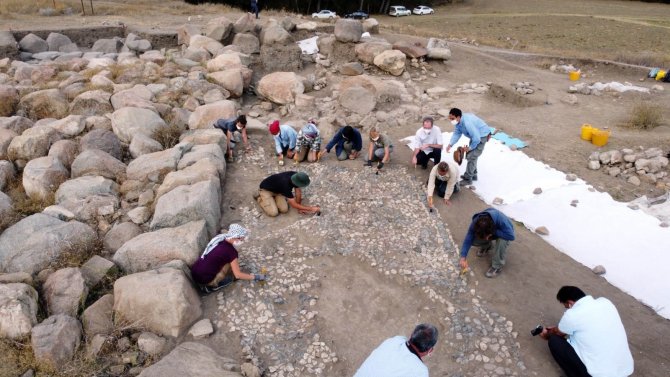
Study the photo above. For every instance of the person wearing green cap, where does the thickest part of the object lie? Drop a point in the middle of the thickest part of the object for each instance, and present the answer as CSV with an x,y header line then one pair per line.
x,y
280,190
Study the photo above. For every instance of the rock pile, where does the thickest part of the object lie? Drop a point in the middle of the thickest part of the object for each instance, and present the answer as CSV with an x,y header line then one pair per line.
x,y
524,87
473,88
636,165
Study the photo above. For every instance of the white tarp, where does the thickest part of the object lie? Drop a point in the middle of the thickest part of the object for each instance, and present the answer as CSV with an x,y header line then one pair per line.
x,y
309,46
629,243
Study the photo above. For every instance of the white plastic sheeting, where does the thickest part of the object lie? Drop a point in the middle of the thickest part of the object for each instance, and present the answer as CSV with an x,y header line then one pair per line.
x,y
309,45
630,244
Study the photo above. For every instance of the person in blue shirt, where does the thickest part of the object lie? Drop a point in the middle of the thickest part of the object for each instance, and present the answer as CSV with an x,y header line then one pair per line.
x,y
477,131
285,140
348,144
490,230
232,128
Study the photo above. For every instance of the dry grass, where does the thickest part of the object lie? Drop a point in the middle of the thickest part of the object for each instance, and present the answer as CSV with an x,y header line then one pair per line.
x,y
645,116
645,58
167,136
22,204
110,7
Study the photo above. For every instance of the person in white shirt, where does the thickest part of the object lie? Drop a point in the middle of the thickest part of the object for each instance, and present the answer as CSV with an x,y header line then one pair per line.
x,y
590,339
399,357
428,140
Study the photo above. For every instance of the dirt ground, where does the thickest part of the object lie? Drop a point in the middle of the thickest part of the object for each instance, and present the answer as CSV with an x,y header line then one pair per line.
x,y
355,311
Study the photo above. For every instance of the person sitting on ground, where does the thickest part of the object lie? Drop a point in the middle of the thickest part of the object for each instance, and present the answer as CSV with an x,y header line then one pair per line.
x,y
477,131
309,142
428,140
285,140
443,178
380,148
232,128
590,339
348,144
276,193
399,357
212,271
489,229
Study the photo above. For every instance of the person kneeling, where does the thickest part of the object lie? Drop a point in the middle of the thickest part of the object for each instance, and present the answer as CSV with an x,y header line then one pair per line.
x,y
212,271
443,179
276,193
309,142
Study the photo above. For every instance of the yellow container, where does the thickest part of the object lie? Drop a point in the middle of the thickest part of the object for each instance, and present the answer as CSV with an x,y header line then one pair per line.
x,y
600,138
660,75
587,132
574,75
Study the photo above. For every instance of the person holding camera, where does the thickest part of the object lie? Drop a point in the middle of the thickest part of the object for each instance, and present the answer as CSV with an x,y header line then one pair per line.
x,y
590,339
490,230
399,357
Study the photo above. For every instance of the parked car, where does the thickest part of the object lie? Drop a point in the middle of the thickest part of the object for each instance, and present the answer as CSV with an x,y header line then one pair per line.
x,y
357,15
399,10
324,14
422,9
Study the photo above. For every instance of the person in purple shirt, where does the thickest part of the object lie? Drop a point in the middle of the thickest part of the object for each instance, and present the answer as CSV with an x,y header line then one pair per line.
x,y
477,131
490,230
218,265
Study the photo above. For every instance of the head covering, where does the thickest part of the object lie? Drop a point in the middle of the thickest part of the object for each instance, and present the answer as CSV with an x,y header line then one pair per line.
x,y
430,119
274,127
310,131
459,154
234,231
300,179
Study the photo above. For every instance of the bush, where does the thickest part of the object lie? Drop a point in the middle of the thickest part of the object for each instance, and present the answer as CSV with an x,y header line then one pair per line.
x,y
23,205
645,116
167,136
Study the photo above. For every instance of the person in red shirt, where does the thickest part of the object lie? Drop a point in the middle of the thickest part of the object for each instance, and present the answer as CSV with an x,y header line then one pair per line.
x,y
219,266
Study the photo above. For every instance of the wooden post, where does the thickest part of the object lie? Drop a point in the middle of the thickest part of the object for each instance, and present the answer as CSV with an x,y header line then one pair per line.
x,y
93,13
82,7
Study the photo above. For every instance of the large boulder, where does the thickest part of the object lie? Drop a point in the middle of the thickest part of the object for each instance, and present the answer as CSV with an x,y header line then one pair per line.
x,y
248,43
17,124
48,103
6,137
108,46
137,96
89,196
392,61
191,359
210,45
6,206
93,102
56,40
33,243
281,87
9,100
185,32
202,170
352,69
33,44
143,144
70,126
119,235
8,46
208,136
230,79
153,167
438,49
129,121
7,173
96,162
205,152
34,142
224,62
274,33
205,116
348,30
42,176
97,318
388,92
281,58
199,201
55,340
371,26
368,51
218,29
412,50
96,269
360,100
103,140
65,151
153,249
162,301
65,291
18,310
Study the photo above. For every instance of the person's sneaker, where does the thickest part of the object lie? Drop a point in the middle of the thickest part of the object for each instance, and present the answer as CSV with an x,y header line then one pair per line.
x,y
493,272
223,283
465,183
474,178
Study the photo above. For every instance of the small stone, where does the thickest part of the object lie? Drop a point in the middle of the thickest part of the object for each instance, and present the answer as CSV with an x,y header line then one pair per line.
x,y
201,329
537,191
599,270
594,165
664,225
574,203
614,171
498,201
542,230
571,177
634,180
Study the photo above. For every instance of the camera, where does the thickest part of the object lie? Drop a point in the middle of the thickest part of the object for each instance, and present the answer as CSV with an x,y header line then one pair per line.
x,y
537,330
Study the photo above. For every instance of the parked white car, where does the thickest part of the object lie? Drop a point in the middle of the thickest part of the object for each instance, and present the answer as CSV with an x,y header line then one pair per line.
x,y
422,9
399,10
324,14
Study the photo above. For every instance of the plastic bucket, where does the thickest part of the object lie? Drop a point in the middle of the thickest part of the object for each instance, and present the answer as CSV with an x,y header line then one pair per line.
x,y
587,132
661,74
600,138
574,75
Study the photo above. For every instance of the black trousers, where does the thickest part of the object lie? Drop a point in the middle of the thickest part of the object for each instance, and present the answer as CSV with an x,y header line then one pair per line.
x,y
422,158
566,357
441,188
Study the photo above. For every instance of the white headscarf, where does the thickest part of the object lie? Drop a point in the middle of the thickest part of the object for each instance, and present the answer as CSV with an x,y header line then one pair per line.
x,y
234,231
